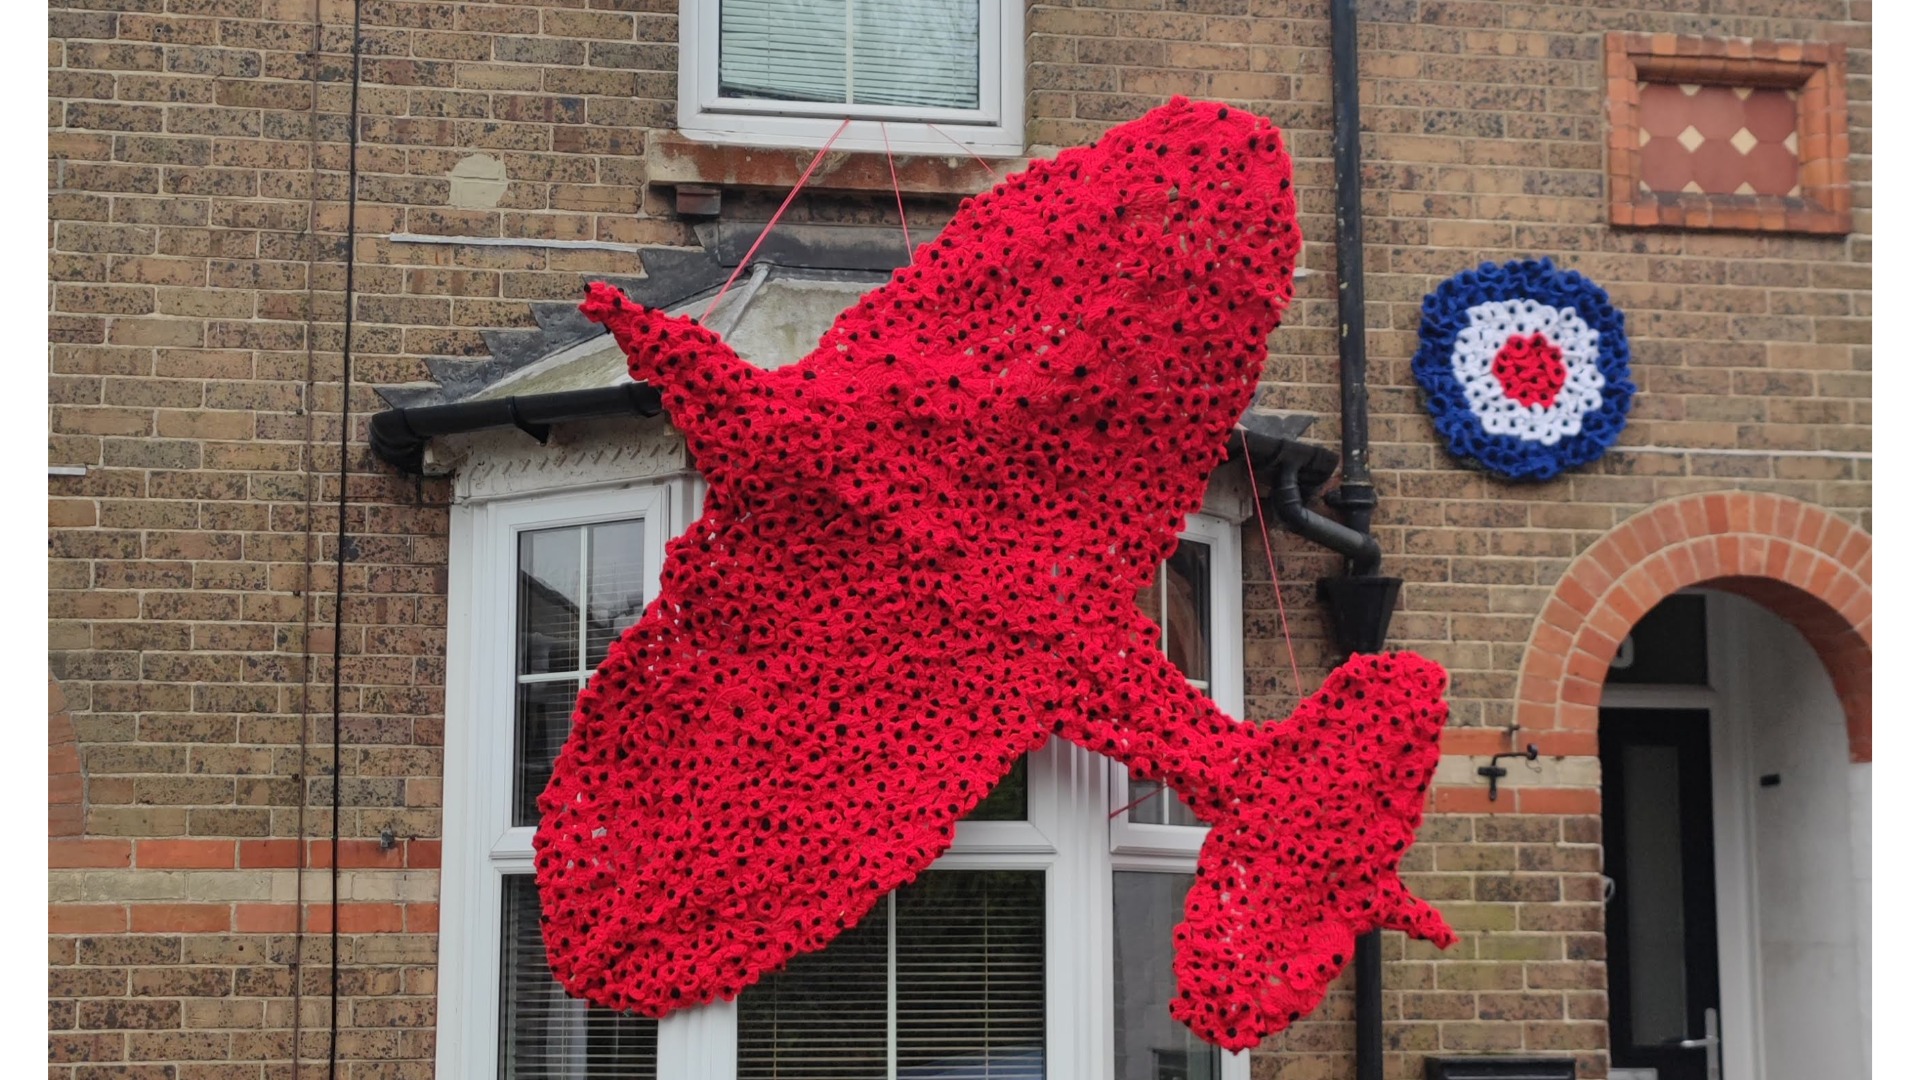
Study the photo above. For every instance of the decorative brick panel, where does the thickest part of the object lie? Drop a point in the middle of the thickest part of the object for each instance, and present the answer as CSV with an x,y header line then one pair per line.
x,y
1714,133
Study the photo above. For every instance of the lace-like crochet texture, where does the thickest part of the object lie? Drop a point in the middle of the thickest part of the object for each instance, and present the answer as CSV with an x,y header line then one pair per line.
x,y
918,560
1525,368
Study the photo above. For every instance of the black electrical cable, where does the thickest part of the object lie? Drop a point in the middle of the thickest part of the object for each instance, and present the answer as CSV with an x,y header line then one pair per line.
x,y
340,548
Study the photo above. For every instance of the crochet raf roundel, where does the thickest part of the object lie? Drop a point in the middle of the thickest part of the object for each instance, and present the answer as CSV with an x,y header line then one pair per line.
x,y
917,562
1525,368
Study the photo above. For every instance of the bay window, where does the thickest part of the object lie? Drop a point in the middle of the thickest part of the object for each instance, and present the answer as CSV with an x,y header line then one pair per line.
x,y
1040,945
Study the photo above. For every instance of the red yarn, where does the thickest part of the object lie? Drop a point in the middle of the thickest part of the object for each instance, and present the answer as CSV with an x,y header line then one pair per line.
x,y
918,560
1530,369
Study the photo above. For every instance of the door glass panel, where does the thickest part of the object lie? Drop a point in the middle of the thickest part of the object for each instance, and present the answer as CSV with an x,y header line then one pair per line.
x,y
1148,1044
1655,894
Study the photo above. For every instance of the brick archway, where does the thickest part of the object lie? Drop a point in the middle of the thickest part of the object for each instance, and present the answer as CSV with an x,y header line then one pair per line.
x,y
1802,563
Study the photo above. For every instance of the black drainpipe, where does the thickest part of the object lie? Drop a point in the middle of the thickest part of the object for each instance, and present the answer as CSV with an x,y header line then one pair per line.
x,y
1359,603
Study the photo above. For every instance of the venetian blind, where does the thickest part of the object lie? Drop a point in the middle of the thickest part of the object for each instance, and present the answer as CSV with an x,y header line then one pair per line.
x,y
861,52
546,1035
945,979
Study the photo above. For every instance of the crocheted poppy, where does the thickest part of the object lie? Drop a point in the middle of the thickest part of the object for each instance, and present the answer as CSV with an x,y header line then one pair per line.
x,y
1525,368
918,561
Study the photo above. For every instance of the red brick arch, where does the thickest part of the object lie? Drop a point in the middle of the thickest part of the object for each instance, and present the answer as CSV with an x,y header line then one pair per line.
x,y
1804,564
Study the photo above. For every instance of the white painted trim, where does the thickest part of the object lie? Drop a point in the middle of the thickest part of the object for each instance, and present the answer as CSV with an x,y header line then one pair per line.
x,y
996,129
480,845
1845,455
512,242
1736,886
462,992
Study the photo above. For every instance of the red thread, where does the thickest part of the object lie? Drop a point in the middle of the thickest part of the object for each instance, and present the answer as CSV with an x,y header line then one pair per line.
x,y
897,200
969,150
918,561
775,220
1273,571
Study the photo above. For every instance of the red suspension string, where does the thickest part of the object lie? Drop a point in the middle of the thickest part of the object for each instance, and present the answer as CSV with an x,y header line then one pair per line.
x,y
898,202
1273,571
965,147
802,182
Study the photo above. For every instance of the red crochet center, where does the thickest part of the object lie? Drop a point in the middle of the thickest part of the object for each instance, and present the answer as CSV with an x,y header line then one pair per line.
x,y
918,561
1530,369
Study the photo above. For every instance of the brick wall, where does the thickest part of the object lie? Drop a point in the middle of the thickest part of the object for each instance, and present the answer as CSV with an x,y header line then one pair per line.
x,y
198,237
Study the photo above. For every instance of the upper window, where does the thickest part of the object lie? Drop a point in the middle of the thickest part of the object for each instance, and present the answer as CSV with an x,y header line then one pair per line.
x,y
1039,946
913,76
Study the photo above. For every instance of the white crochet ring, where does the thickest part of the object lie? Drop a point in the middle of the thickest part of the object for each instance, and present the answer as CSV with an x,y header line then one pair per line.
x,y
1499,324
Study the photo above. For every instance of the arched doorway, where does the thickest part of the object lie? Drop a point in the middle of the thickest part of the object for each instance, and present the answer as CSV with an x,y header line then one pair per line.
x,y
1715,653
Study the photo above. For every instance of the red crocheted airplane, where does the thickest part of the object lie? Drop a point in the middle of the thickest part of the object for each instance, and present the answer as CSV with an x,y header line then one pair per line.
x,y
918,561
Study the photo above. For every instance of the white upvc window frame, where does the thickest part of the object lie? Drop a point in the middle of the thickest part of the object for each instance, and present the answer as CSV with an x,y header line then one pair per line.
x,y
481,846
1227,687
1071,833
996,129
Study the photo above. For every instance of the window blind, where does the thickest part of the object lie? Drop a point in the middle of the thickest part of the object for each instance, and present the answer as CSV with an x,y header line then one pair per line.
x,y
860,52
945,980
546,1035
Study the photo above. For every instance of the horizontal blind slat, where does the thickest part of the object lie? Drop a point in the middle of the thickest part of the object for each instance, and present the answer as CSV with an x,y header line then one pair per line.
x,y
970,978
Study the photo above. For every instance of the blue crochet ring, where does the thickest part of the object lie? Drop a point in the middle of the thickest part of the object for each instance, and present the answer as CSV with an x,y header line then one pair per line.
x,y
1525,368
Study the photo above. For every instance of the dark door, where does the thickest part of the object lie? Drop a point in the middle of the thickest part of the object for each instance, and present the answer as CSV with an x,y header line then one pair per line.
x,y
1663,964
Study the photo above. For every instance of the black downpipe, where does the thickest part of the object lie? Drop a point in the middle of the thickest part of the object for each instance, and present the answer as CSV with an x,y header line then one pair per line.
x,y
1360,603
1356,496
340,560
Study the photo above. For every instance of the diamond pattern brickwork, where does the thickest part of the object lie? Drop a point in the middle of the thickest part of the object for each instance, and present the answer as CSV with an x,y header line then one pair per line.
x,y
1719,140
1727,133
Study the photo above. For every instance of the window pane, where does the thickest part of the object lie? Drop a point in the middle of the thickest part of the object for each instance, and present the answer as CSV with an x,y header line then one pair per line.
x,y
567,619
965,952
1667,646
543,713
867,52
549,601
617,584
917,52
1180,600
1008,800
546,1035
1148,1044
1154,803
1655,896
1189,637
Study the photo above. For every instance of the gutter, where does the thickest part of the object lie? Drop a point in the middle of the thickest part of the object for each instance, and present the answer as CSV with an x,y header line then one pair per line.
x,y
399,436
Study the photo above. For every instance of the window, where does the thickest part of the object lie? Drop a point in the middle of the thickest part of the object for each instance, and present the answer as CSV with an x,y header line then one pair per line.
x,y
1039,946
541,588
787,72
